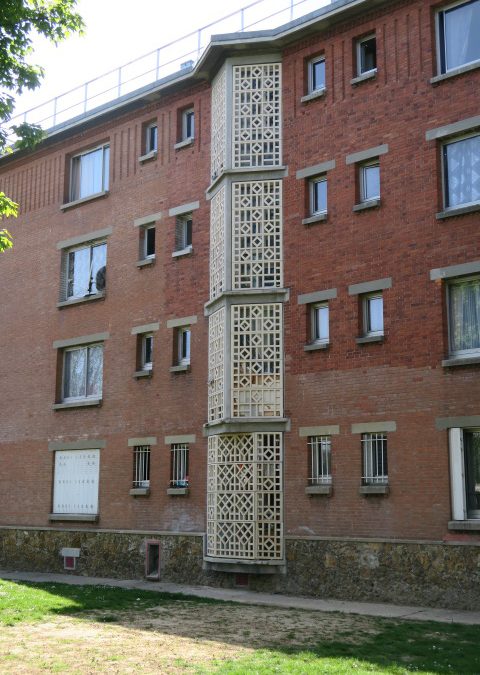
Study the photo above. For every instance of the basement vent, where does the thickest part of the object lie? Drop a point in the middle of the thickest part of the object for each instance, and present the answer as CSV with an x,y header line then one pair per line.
x,y
70,557
152,560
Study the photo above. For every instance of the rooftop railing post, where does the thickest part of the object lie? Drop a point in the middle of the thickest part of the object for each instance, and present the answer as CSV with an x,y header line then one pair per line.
x,y
242,20
119,86
291,9
85,97
55,110
157,67
199,42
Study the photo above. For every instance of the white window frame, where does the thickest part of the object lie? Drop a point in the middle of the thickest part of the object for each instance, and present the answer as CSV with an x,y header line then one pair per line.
x,y
87,245
366,299
359,44
145,230
179,465
445,178
144,364
440,37
311,69
363,168
151,144
313,182
188,119
181,232
316,339
320,459
462,352
141,466
458,476
373,471
183,356
105,171
71,399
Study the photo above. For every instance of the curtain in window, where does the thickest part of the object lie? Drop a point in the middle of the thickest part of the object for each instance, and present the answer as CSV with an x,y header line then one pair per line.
x,y
75,369
462,31
95,371
98,268
78,273
465,316
463,171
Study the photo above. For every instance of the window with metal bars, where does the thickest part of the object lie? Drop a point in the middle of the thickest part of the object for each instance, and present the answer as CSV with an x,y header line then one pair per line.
x,y
141,466
320,460
374,459
179,465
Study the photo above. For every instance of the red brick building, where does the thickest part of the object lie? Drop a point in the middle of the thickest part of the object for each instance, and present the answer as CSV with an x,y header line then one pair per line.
x,y
241,321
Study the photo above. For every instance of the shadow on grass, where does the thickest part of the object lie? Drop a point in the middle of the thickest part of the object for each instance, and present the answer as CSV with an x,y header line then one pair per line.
x,y
283,640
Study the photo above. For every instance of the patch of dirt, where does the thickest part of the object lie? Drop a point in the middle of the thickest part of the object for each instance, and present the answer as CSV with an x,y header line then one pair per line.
x,y
174,638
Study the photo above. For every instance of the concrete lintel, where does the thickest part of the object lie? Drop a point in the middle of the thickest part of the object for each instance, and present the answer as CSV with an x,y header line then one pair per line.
x,y
455,270
81,444
370,286
453,129
183,321
317,296
442,423
84,238
146,328
373,427
70,552
246,425
184,208
323,430
180,438
142,440
315,170
81,340
148,220
364,155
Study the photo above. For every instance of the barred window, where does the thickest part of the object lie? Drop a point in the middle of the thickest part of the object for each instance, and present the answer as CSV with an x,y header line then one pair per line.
x,y
374,451
141,466
320,460
179,465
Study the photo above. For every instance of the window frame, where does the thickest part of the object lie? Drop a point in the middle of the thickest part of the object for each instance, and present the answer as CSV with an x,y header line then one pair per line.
x,y
144,247
358,53
312,185
444,165
79,515
183,357
141,466
151,145
316,445
441,45
144,364
314,338
184,232
462,353
188,121
362,183
311,89
72,399
66,262
376,477
182,451
105,182
366,298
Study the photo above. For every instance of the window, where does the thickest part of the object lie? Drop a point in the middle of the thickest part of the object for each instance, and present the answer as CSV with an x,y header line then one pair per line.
x,y
147,242
458,35
141,466
320,460
183,232
461,170
316,74
179,466
188,124
318,196
75,482
464,316
319,323
89,173
465,473
366,55
82,372
369,176
374,459
146,362
471,445
183,337
372,314
86,270
151,138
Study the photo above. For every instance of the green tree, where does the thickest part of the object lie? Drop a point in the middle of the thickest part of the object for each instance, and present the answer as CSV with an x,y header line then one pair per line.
x,y
20,20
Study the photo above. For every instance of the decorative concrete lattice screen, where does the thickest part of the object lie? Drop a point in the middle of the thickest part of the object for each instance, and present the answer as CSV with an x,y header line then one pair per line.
x,y
257,361
75,488
217,244
256,137
245,500
257,234
216,364
218,146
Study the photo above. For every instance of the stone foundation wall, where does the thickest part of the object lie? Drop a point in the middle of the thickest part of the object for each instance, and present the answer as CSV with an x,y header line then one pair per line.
x,y
431,574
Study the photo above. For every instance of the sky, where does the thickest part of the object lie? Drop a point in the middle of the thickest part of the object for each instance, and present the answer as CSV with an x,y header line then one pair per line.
x,y
119,31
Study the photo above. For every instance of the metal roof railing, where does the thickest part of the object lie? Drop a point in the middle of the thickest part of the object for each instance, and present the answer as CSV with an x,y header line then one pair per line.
x,y
159,63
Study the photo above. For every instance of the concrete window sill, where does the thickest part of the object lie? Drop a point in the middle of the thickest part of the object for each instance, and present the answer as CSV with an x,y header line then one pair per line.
x,y
455,72
183,144
140,492
371,75
183,252
81,301
319,93
367,339
146,262
84,200
183,368
87,403
153,154
458,211
178,492
315,346
461,361
74,517
317,218
138,374
319,490
473,525
371,204
373,490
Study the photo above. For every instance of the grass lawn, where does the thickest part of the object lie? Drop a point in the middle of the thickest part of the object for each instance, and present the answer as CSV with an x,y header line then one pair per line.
x,y
83,629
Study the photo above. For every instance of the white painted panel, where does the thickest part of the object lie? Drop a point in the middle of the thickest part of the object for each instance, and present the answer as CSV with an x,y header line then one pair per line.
x,y
457,480
76,481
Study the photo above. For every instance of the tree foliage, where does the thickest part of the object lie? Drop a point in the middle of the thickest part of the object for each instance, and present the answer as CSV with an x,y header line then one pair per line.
x,y
20,20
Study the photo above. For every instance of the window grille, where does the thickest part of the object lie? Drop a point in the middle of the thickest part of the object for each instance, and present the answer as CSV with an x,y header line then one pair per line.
x,y
374,449
141,466
219,124
257,234
216,365
257,115
245,500
320,460
257,361
179,465
217,244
